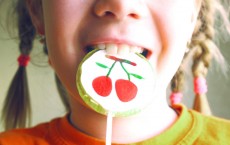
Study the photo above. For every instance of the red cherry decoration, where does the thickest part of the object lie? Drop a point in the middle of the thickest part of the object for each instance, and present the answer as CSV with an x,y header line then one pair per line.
x,y
102,85
126,90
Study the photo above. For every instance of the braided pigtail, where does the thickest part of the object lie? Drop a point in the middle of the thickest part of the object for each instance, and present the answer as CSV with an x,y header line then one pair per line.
x,y
61,89
202,43
177,84
63,94
16,108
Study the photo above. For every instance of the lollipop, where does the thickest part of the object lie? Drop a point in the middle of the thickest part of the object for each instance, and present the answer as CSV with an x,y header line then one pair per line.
x,y
119,85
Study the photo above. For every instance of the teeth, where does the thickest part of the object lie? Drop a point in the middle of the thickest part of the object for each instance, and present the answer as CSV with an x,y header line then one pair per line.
x,y
135,49
101,46
119,49
111,48
123,49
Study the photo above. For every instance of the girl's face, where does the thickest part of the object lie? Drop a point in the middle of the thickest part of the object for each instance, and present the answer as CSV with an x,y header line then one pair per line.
x,y
163,27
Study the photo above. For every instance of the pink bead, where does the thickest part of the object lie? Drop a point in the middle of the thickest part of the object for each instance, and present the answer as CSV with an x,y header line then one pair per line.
x,y
200,85
176,98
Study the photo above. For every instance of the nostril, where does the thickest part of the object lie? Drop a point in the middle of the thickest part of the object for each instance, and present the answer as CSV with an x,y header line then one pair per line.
x,y
109,14
113,15
135,16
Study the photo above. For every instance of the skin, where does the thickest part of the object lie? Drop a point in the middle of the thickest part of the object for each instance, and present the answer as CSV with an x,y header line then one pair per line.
x,y
164,27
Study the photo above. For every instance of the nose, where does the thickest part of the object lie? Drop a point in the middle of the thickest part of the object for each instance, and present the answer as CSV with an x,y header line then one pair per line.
x,y
120,9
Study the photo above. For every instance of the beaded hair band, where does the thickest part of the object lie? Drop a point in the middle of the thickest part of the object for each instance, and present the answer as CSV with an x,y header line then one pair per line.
x,y
176,98
200,87
23,60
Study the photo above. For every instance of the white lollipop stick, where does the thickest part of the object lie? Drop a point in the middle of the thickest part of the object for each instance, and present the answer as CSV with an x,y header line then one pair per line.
x,y
109,128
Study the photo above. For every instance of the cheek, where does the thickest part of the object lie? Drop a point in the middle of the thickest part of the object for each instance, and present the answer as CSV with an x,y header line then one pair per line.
x,y
65,50
175,28
65,65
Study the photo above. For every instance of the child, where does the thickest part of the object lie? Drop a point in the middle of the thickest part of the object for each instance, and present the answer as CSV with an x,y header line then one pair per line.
x,y
127,105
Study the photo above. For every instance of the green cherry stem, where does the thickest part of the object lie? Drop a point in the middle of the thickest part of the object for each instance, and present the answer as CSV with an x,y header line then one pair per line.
x,y
110,69
125,70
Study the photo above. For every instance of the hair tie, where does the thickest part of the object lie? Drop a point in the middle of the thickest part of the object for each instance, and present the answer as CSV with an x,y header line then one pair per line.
x,y
176,97
23,60
200,85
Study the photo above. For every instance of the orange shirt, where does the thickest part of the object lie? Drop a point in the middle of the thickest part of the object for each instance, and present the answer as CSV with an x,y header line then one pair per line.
x,y
190,128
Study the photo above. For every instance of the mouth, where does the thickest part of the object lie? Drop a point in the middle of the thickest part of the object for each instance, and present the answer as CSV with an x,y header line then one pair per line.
x,y
119,49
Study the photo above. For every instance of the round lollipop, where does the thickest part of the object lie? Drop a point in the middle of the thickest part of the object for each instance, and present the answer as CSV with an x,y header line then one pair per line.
x,y
119,85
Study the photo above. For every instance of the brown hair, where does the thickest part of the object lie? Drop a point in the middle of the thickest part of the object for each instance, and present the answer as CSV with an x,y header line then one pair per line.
x,y
201,47
16,107
16,111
